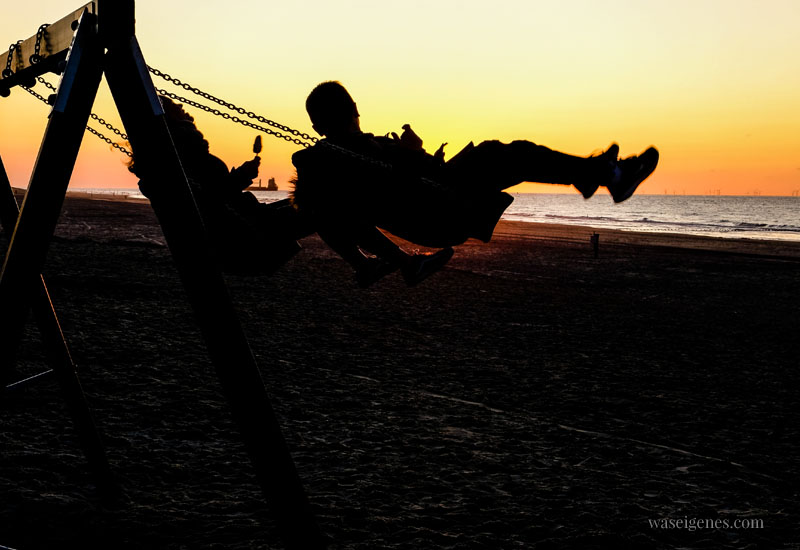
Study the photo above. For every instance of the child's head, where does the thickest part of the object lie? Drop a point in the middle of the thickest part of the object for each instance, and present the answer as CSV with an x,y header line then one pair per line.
x,y
190,143
331,109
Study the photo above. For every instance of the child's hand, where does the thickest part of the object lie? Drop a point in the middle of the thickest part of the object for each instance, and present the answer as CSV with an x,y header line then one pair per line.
x,y
408,139
249,169
439,154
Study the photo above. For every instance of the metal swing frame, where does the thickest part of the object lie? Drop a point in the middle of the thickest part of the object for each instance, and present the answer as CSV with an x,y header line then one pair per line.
x,y
104,43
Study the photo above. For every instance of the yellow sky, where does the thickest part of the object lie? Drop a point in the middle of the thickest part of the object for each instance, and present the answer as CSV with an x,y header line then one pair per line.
x,y
714,84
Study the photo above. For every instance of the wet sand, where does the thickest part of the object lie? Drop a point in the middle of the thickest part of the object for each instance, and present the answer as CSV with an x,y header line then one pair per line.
x,y
529,395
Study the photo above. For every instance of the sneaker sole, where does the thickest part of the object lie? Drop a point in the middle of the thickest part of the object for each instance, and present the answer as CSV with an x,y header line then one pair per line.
x,y
591,189
646,170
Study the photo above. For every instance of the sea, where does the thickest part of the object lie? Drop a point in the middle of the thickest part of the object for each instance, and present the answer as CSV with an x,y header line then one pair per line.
x,y
739,217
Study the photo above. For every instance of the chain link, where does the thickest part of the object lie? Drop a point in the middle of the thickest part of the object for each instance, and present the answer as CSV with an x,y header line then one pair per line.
x,y
111,142
36,58
7,72
34,94
46,83
109,126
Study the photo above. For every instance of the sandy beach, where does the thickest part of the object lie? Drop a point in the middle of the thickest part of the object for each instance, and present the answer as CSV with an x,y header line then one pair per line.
x,y
529,395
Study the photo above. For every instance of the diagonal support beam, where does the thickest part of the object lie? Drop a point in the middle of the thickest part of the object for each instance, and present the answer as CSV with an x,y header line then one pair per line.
x,y
60,359
172,201
48,186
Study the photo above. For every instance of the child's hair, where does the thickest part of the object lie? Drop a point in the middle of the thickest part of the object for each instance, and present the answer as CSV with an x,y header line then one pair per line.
x,y
330,107
177,120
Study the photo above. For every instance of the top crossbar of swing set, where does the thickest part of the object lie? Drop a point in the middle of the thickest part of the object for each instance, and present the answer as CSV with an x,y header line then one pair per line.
x,y
43,52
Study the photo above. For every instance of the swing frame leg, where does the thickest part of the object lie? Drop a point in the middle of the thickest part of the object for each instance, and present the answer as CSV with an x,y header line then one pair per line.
x,y
174,206
22,285
41,208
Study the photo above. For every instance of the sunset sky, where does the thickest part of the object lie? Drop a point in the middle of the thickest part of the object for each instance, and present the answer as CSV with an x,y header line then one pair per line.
x,y
714,84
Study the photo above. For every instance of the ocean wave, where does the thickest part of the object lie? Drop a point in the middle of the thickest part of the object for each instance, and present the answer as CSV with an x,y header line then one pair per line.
x,y
767,227
749,225
721,227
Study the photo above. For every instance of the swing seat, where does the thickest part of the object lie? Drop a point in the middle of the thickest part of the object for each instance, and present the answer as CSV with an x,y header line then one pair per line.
x,y
415,200
445,222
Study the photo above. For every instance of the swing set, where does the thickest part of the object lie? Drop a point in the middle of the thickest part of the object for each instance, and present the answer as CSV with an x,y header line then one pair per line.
x,y
95,40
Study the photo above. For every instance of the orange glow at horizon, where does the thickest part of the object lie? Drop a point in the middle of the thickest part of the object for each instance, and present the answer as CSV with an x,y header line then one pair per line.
x,y
714,86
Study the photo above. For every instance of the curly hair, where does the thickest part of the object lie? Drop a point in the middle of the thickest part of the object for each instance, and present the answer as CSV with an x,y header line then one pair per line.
x,y
178,121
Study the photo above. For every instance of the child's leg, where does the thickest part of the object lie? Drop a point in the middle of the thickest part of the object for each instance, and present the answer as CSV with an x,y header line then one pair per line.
x,y
503,165
375,242
344,245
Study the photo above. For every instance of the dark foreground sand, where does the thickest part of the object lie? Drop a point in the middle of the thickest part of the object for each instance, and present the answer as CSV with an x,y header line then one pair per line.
x,y
529,396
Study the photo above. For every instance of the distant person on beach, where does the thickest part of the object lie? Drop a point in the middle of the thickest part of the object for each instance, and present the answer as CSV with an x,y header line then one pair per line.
x,y
246,235
351,183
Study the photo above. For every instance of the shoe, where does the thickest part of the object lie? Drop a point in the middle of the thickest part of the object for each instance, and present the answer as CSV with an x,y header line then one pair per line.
x,y
609,156
373,270
631,172
423,265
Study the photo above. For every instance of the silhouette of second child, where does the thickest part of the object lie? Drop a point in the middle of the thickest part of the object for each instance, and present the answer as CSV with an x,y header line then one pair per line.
x,y
246,235
351,183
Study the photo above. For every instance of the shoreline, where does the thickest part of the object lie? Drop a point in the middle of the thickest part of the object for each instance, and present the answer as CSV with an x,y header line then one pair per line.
x,y
512,229
525,230
758,247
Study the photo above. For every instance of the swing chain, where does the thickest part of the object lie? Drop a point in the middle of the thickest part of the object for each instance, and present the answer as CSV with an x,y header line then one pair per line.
x,y
109,126
111,142
36,58
233,118
337,149
300,138
34,94
46,83
94,116
7,72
